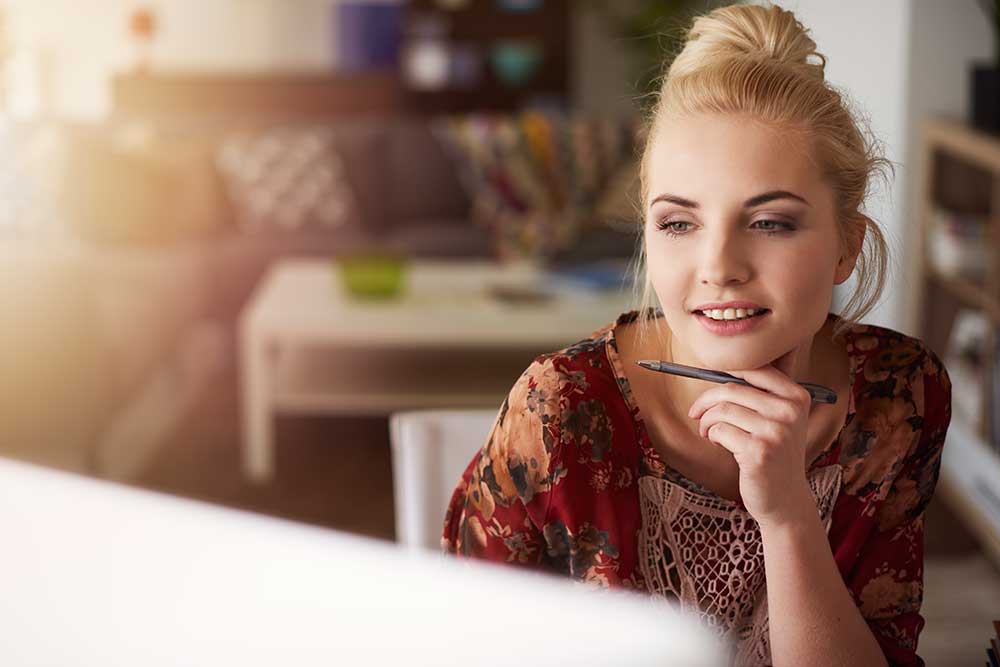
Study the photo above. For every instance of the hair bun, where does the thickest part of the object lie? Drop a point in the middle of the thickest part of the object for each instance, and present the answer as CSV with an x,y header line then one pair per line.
x,y
748,31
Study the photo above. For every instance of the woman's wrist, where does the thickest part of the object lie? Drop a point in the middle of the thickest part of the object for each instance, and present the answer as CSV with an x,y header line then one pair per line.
x,y
791,529
800,513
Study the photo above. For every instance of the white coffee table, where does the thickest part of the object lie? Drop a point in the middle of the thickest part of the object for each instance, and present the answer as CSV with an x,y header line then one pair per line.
x,y
308,347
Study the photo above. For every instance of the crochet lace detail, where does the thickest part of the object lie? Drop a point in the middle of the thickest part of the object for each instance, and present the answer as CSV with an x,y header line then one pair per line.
x,y
706,552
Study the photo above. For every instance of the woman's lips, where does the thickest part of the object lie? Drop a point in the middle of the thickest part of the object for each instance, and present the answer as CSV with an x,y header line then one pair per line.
x,y
731,327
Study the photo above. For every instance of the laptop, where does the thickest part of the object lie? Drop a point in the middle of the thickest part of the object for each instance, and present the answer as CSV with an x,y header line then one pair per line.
x,y
98,573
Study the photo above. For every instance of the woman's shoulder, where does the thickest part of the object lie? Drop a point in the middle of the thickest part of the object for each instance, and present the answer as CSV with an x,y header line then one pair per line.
x,y
902,399
554,412
896,366
578,369
557,395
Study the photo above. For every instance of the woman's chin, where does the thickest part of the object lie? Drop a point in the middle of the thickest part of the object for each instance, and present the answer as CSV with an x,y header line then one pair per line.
x,y
729,362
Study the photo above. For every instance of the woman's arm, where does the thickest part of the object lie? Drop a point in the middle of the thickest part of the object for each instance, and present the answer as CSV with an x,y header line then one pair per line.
x,y
813,618
807,598
497,511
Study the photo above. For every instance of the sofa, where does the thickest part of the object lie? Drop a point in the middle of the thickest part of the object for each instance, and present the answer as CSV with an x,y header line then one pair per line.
x,y
146,248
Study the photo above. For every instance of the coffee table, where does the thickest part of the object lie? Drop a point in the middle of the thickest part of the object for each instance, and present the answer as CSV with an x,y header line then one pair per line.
x,y
308,347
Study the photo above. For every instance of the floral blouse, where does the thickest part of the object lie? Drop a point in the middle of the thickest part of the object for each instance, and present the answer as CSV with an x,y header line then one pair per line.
x,y
568,482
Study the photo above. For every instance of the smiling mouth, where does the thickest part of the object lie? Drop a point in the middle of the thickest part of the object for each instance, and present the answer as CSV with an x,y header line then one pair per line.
x,y
757,313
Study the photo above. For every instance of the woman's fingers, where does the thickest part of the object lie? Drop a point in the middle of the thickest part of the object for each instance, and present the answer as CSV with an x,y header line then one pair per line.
x,y
749,397
764,427
739,416
772,380
733,438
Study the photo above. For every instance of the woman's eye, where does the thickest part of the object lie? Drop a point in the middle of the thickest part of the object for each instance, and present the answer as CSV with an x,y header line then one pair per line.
x,y
769,227
777,226
668,226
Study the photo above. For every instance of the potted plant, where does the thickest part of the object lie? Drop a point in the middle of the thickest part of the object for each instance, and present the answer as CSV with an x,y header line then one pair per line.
x,y
653,31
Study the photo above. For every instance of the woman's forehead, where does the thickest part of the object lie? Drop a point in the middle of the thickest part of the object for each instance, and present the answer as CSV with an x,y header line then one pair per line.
x,y
704,153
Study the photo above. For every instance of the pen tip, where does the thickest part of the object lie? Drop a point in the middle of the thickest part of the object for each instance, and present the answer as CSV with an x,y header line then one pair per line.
x,y
646,364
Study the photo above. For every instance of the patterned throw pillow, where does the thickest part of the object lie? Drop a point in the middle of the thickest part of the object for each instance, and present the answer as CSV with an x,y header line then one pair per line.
x,y
287,177
536,178
537,160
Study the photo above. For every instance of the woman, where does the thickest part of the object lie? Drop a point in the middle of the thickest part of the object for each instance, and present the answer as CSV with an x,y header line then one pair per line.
x,y
753,177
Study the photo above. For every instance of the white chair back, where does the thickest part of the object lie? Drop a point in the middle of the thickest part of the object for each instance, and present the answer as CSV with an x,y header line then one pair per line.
x,y
430,450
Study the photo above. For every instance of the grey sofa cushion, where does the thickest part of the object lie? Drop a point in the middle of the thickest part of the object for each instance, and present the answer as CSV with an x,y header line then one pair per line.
x,y
441,239
362,145
420,180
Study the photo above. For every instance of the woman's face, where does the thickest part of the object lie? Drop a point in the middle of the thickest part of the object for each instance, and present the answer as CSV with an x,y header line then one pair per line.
x,y
736,211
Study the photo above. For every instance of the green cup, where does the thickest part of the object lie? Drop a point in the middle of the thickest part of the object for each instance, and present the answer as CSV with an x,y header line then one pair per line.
x,y
376,276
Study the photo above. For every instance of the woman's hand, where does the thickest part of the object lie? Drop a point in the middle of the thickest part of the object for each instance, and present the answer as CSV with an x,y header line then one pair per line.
x,y
764,426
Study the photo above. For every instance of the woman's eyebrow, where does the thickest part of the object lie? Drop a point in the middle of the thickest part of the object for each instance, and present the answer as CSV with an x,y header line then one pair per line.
x,y
753,201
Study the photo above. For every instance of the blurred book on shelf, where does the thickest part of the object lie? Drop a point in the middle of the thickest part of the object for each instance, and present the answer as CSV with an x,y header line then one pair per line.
x,y
958,243
965,360
368,36
503,55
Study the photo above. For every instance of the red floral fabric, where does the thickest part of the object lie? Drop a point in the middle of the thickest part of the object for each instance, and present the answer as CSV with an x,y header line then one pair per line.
x,y
555,486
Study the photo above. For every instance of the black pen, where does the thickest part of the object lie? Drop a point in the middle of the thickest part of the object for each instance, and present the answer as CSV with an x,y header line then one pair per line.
x,y
819,393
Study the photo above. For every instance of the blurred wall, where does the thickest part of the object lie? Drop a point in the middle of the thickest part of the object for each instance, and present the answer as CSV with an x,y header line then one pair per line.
x,y
601,74
77,46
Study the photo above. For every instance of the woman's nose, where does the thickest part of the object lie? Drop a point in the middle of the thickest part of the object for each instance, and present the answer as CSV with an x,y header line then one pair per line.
x,y
722,262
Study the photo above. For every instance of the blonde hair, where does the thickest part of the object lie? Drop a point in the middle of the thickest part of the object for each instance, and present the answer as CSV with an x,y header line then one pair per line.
x,y
753,60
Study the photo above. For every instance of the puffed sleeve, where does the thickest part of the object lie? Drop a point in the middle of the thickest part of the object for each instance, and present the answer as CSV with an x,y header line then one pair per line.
x,y
887,582
497,512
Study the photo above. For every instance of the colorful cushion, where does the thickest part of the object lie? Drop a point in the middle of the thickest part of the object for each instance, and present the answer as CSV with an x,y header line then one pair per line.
x,y
536,177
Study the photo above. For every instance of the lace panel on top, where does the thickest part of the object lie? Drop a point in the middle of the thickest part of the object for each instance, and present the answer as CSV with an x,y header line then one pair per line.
x,y
706,552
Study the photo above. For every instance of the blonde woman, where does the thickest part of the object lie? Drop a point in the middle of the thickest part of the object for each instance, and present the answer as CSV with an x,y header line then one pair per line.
x,y
754,174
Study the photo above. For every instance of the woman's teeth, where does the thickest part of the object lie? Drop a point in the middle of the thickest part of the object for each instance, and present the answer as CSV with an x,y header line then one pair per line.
x,y
731,313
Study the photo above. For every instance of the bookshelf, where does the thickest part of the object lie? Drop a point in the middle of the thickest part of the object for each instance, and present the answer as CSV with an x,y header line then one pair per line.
x,y
958,211
485,32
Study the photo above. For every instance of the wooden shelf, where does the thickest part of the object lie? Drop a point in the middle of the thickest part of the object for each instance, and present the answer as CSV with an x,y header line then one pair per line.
x,y
967,291
285,94
964,142
960,171
483,25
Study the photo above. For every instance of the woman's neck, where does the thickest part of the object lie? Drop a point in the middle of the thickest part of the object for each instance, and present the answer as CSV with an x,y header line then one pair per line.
x,y
679,393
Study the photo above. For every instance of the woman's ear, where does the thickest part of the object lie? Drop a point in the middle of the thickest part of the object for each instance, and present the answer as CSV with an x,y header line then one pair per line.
x,y
854,239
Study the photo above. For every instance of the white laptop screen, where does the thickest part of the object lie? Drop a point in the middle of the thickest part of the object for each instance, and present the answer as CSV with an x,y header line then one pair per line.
x,y
96,573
